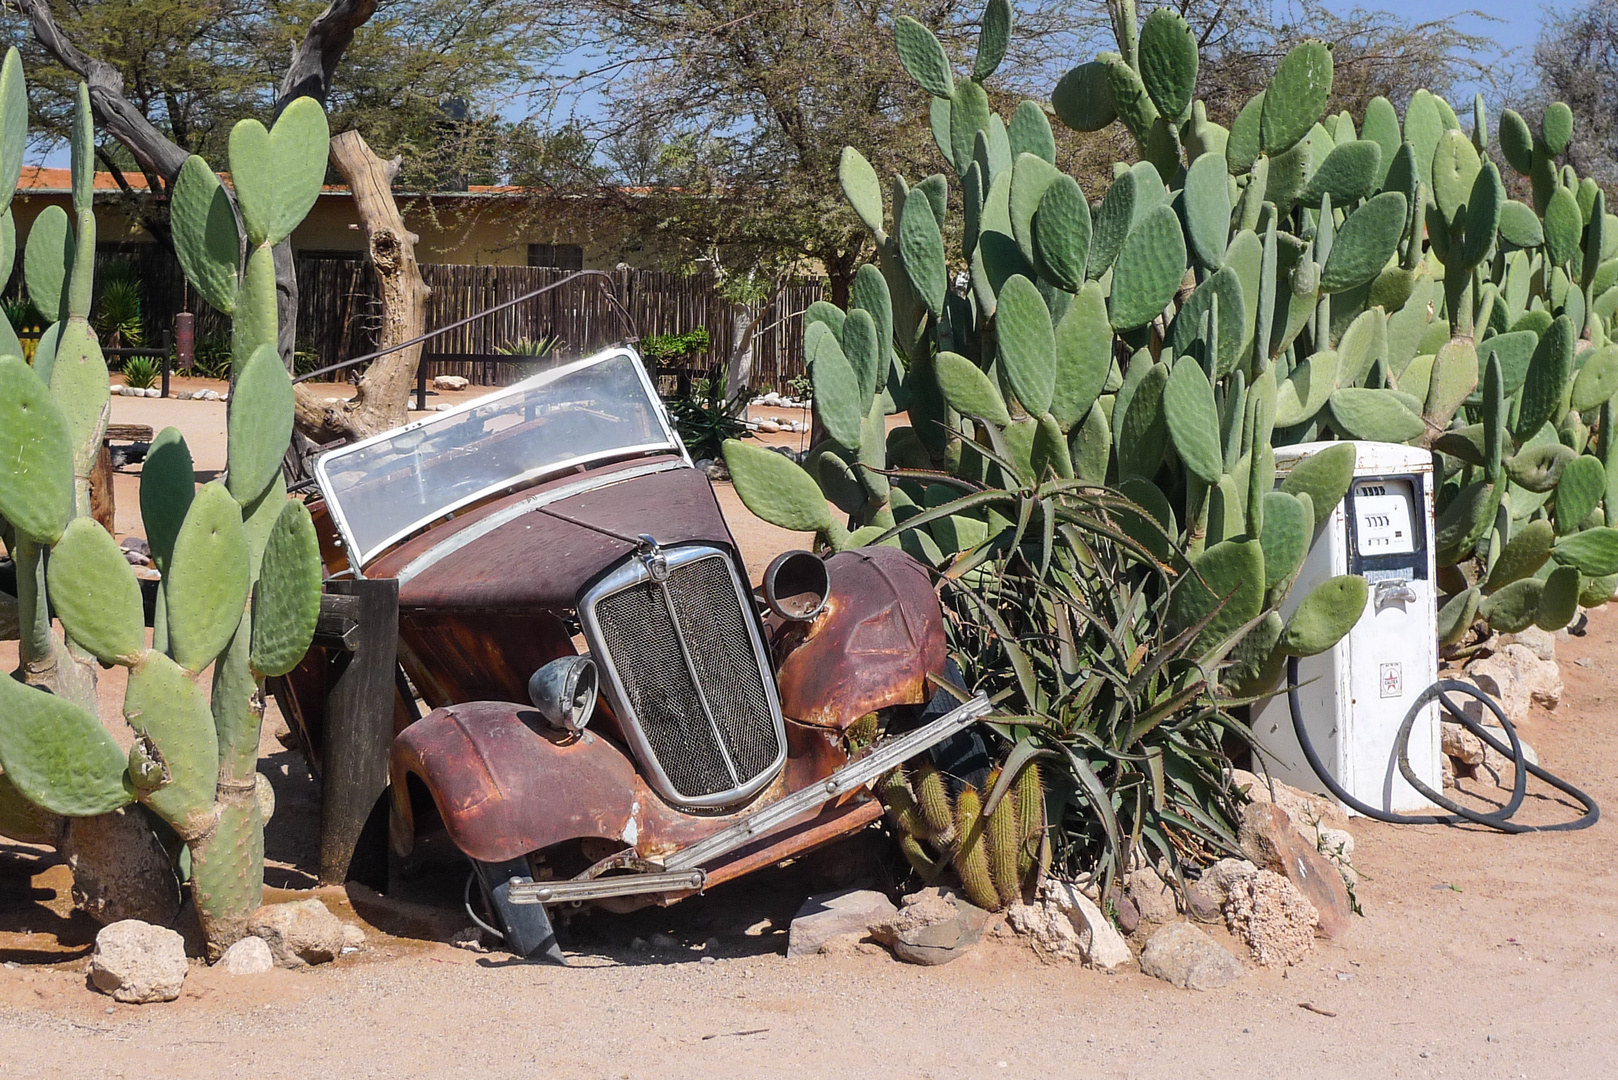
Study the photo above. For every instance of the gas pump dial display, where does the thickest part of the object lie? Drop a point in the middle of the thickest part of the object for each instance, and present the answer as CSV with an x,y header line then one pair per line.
x,y
1383,513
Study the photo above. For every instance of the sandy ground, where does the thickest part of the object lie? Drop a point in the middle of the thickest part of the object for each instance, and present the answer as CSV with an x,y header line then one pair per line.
x,y
1479,955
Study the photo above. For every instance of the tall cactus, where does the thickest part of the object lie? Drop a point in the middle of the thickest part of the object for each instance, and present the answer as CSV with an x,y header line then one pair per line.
x,y
240,566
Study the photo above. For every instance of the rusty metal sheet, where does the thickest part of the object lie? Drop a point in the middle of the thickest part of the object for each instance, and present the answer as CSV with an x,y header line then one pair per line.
x,y
880,636
455,656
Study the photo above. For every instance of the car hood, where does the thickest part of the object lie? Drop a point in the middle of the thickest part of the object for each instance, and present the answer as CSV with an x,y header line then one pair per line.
x,y
539,558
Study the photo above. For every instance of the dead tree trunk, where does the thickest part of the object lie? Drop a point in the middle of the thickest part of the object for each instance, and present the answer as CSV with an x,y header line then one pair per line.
x,y
383,398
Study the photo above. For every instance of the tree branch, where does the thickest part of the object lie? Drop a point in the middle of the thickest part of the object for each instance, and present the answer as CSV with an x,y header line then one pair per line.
x,y
313,62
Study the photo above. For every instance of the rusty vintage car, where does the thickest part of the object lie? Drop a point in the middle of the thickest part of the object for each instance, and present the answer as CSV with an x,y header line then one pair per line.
x,y
617,716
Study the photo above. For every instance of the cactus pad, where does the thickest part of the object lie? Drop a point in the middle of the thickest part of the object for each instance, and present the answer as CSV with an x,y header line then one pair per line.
x,y
923,57
57,754
206,240
36,485
96,595
1168,62
1513,608
776,489
1288,525
207,587
1559,600
1547,377
1027,344
1322,617
921,248
287,597
1365,243
170,712
278,173
1148,270
1523,554
260,424
838,401
48,260
1061,231
1578,492
1324,477
1374,415
1083,99
861,188
1594,551
1230,573
1296,97
1193,420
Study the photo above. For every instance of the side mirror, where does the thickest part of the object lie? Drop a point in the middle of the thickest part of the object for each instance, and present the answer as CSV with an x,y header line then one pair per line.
x,y
796,585
564,691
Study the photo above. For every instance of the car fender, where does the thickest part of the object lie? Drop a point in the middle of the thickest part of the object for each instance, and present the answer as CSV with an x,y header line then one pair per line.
x,y
873,646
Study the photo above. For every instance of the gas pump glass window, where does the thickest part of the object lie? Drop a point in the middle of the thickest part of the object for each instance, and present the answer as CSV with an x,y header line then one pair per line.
x,y
1383,510
593,410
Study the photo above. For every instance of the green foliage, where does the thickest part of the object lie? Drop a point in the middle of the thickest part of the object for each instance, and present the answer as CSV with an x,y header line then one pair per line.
x,y
141,371
659,349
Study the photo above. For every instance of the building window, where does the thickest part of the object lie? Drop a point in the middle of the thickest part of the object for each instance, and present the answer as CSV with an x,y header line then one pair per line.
x,y
556,256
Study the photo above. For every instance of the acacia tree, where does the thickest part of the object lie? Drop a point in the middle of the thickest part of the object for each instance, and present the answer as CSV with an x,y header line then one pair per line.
x,y
1576,57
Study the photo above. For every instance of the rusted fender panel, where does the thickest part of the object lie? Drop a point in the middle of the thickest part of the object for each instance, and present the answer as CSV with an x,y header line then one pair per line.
x,y
502,788
880,636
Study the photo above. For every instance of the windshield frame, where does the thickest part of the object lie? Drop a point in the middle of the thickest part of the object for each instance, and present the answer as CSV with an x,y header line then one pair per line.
x,y
359,557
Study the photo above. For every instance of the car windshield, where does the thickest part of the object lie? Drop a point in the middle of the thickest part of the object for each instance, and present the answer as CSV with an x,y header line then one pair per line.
x,y
592,410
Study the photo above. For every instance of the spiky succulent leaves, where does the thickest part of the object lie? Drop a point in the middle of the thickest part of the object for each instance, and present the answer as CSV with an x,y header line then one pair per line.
x,y
1547,378
1193,420
1030,133
869,292
1455,167
1027,344
1129,98
1004,843
994,33
207,241
1523,554
1031,177
776,489
175,760
1350,172
1083,98
1304,392
1242,148
36,484
972,858
923,57
969,390
969,113
1296,97
1227,584
1148,270
1564,227
1168,62
208,586
260,424
13,124
287,597
1593,552
1365,243
1519,225
96,595
278,173
1483,209
1142,432
921,248
1559,600
1083,356
1324,615
1223,290
1061,233
47,261
1288,526
1454,378
1324,477
57,754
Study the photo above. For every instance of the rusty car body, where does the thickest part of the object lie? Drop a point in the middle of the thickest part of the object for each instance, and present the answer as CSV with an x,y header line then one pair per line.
x,y
617,716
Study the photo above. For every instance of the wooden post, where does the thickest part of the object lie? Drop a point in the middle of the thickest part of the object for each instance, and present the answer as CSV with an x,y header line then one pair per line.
x,y
357,738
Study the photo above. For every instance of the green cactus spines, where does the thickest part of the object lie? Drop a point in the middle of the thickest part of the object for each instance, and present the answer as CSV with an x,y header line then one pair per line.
x,y
277,173
57,755
169,711
923,57
1559,600
1148,270
1351,171
1547,377
1516,141
207,588
1324,477
263,392
1365,243
1061,233
36,486
1324,615
1374,415
1456,614
1303,393
1142,431
859,181
861,348
1556,127
48,260
96,595
1027,345
1594,552
776,489
1512,608
1168,62
1207,208
969,390
1193,420
1030,133
1288,526
1564,227
1579,491
1230,573
286,600
1296,97
921,248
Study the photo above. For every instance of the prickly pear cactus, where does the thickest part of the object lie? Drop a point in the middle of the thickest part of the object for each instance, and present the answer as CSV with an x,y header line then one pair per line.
x,y
240,567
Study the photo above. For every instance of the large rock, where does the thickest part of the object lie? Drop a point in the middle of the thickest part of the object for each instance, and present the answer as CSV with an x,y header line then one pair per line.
x,y
1269,915
1514,676
1183,955
449,382
1268,838
1065,924
1152,896
1306,809
834,915
299,933
1539,642
249,956
137,962
933,926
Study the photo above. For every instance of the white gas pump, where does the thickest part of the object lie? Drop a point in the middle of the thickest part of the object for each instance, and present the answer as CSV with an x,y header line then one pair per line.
x,y
1354,696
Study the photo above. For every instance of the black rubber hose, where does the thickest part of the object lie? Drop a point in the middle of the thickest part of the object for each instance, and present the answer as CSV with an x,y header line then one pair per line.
x,y
1458,815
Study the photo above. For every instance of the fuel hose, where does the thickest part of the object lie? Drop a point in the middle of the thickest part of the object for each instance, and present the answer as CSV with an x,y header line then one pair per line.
x,y
1458,814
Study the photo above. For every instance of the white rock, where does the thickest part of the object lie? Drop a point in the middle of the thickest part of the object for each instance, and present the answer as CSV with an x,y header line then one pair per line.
x,y
831,915
1274,919
1223,876
1183,955
768,427
771,398
353,937
299,933
449,382
154,391
1461,744
137,962
1535,640
442,408
1515,677
1066,924
1151,895
249,956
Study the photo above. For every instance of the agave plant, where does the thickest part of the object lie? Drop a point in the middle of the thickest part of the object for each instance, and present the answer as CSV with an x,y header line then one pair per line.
x,y
140,372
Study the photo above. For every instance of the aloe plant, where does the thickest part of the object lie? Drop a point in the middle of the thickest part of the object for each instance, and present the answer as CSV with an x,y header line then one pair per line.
x,y
240,566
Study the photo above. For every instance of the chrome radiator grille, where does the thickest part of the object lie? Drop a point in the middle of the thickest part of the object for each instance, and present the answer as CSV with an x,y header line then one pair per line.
x,y
687,674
